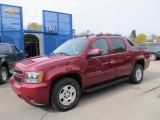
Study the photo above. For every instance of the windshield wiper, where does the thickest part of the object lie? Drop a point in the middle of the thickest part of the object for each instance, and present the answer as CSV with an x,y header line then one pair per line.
x,y
62,53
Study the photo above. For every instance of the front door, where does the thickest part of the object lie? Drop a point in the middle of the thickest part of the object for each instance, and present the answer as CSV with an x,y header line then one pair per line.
x,y
100,68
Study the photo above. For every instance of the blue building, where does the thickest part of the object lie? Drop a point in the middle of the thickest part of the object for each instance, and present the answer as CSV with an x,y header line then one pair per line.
x,y
57,28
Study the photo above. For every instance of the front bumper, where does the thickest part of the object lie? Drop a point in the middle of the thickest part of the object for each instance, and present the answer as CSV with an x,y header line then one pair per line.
x,y
36,94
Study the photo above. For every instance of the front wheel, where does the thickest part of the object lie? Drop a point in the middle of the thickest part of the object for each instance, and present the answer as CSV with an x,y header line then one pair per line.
x,y
3,75
65,94
137,74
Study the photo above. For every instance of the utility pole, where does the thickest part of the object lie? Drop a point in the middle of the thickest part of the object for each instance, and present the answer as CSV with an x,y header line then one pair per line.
x,y
74,33
88,33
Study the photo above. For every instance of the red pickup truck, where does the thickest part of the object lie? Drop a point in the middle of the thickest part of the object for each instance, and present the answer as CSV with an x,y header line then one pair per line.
x,y
78,65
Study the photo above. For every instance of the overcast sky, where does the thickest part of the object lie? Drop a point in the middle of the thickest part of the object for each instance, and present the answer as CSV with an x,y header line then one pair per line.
x,y
107,16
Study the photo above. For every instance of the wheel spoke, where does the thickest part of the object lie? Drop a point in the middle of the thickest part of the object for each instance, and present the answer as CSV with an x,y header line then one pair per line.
x,y
65,88
65,102
72,90
61,96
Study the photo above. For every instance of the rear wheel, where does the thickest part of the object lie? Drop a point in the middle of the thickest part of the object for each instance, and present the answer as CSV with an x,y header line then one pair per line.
x,y
137,74
3,75
153,57
65,94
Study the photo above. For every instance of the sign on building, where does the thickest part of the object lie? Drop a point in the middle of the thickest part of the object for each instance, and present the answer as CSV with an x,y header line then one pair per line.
x,y
11,25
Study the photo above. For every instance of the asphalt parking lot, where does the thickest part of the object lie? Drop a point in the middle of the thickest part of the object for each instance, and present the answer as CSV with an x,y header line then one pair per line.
x,y
123,101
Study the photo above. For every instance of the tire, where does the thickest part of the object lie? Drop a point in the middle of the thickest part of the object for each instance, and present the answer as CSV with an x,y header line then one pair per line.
x,y
137,74
4,75
153,57
65,94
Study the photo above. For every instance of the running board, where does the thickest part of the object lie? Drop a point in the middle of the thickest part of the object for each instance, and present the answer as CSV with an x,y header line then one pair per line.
x,y
111,83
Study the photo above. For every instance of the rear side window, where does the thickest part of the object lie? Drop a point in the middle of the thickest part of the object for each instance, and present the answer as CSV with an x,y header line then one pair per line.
x,y
101,44
15,50
118,45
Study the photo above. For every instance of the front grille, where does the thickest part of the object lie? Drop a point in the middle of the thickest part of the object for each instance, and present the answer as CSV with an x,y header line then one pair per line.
x,y
18,75
17,79
18,72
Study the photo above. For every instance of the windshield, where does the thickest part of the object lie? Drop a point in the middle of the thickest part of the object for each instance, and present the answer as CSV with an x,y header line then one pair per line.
x,y
72,47
4,48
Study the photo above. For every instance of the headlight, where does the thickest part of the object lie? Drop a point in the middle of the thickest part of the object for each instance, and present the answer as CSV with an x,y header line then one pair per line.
x,y
33,77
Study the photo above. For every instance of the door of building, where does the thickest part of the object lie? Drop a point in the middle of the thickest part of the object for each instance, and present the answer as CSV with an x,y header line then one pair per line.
x,y
31,45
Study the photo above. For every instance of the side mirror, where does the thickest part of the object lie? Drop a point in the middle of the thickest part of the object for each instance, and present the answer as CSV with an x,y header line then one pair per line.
x,y
94,52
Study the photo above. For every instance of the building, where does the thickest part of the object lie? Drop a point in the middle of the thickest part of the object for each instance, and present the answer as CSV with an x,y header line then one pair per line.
x,y
57,28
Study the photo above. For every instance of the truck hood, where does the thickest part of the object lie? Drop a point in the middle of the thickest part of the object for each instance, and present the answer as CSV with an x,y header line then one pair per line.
x,y
39,61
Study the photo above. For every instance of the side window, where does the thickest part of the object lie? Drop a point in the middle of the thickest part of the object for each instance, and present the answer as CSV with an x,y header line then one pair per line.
x,y
118,45
15,50
101,44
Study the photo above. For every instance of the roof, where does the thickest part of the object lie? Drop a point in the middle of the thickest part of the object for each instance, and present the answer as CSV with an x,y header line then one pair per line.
x,y
6,44
100,35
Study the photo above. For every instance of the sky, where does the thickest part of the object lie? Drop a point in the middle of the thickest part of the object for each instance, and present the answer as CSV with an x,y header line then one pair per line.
x,y
107,16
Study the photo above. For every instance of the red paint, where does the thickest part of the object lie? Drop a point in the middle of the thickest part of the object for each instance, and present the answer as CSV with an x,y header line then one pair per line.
x,y
91,70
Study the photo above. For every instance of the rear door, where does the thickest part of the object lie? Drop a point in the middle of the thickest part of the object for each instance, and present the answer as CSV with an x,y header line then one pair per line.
x,y
100,68
123,57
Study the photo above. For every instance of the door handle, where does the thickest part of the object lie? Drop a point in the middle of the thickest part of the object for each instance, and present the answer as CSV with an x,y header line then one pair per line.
x,y
128,56
109,62
112,62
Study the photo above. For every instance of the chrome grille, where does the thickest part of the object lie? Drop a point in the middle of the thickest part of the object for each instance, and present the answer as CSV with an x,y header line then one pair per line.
x,y
17,75
18,72
17,79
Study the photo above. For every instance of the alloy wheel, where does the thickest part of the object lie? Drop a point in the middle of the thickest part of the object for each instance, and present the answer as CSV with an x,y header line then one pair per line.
x,y
67,95
139,74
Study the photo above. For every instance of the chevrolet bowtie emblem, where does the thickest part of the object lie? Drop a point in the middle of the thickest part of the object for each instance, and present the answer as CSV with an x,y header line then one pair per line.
x,y
11,11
